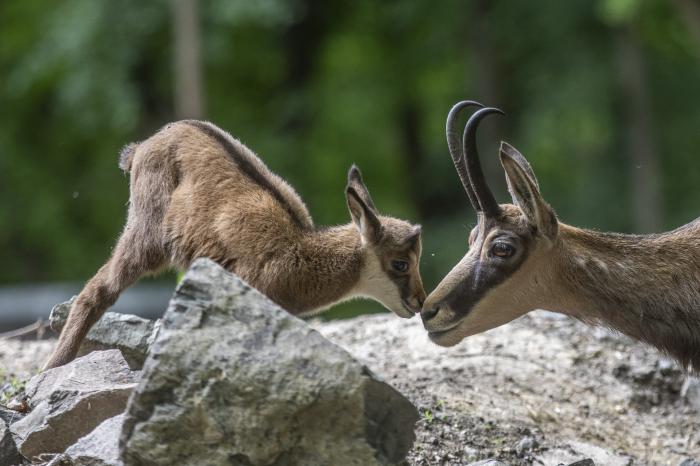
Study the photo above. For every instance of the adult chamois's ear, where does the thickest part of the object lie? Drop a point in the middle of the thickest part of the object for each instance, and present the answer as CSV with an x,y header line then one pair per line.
x,y
362,210
525,191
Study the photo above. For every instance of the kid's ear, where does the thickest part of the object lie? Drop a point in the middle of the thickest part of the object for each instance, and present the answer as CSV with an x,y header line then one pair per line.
x,y
363,216
361,207
414,238
355,181
525,192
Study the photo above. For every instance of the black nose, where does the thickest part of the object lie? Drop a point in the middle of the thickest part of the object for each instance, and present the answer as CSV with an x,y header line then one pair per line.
x,y
427,314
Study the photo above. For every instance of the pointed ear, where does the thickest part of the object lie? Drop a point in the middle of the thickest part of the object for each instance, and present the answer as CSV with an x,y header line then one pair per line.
x,y
414,238
355,181
520,159
525,191
361,207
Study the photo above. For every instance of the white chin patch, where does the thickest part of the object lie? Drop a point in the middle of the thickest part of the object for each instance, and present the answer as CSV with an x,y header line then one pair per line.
x,y
447,338
400,310
375,284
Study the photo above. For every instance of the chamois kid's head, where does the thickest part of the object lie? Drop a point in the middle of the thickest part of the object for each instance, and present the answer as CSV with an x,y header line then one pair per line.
x,y
495,282
391,250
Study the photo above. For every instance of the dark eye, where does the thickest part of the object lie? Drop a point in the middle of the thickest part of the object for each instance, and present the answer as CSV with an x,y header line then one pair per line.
x,y
503,250
399,266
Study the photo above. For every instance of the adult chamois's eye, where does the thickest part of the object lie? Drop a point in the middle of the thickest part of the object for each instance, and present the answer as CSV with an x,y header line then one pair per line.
x,y
503,250
399,266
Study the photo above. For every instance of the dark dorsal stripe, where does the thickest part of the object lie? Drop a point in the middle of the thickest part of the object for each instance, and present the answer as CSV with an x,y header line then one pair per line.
x,y
246,167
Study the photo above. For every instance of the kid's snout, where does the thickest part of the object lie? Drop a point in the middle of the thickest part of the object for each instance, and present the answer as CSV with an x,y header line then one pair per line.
x,y
415,303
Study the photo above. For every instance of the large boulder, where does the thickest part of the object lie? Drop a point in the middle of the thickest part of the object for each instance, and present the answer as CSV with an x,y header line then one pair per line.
x,y
130,334
68,402
234,379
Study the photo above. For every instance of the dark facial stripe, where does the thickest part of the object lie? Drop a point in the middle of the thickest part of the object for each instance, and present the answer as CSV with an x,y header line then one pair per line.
x,y
404,284
483,277
402,281
246,167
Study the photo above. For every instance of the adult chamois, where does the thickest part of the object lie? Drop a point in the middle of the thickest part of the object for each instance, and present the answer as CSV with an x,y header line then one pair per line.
x,y
521,258
195,191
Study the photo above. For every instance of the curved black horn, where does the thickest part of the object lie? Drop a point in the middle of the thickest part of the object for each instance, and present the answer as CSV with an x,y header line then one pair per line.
x,y
476,176
454,144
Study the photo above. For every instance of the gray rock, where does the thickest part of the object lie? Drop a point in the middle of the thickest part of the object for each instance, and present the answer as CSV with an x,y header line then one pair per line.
x,y
689,462
100,447
234,379
690,391
526,444
470,452
8,451
51,459
575,452
489,462
59,315
130,334
10,416
68,402
59,460
586,462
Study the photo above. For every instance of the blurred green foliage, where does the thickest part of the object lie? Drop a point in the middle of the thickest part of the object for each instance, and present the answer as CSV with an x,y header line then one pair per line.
x,y
313,86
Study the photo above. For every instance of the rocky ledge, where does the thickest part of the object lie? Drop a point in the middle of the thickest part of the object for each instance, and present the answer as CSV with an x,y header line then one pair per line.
x,y
230,378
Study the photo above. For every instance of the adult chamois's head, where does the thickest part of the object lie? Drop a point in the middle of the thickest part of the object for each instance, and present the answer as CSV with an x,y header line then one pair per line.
x,y
391,250
492,283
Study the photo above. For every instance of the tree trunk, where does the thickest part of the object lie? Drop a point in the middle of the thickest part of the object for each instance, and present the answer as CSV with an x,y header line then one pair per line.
x,y
640,142
187,60
689,12
413,152
486,85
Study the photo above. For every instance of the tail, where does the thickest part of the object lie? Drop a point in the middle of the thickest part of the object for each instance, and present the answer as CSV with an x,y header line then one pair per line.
x,y
126,156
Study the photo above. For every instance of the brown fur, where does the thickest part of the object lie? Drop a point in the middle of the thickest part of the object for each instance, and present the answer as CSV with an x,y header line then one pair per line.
x,y
645,286
197,192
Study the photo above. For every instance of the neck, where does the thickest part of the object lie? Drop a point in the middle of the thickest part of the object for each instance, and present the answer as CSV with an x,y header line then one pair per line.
x,y
328,267
647,287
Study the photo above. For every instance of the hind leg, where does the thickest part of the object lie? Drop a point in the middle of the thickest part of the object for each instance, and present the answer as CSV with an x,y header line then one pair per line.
x,y
140,250
129,262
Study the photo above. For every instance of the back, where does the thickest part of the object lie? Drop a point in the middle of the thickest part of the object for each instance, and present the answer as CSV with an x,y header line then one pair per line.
x,y
224,191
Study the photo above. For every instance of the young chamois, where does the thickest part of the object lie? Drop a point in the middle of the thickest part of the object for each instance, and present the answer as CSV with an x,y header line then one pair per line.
x,y
521,258
195,191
